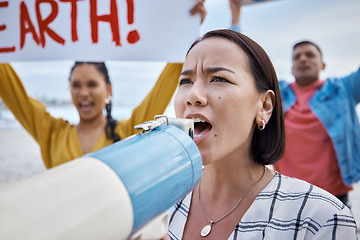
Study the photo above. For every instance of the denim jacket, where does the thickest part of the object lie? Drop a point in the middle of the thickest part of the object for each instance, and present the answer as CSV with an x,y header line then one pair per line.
x,y
334,105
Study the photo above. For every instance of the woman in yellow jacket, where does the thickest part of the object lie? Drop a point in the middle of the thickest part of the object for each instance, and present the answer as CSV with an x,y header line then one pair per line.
x,y
90,87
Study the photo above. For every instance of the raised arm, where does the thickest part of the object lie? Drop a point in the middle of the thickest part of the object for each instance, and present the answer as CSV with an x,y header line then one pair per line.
x,y
353,84
29,112
235,9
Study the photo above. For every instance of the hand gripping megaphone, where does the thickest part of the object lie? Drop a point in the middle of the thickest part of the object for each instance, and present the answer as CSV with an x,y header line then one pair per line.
x,y
122,191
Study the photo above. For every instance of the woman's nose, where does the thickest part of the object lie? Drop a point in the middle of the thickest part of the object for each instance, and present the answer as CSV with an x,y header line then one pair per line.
x,y
84,91
196,96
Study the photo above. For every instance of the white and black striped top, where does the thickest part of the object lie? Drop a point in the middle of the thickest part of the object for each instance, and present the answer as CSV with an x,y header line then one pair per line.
x,y
287,208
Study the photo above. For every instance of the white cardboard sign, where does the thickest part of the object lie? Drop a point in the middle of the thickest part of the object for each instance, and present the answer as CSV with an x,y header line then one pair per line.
x,y
96,30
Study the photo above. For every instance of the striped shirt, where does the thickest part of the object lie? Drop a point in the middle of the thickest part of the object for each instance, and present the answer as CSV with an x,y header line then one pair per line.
x,y
287,208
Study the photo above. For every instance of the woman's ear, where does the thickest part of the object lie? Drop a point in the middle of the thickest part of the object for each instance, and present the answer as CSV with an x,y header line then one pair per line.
x,y
109,89
266,108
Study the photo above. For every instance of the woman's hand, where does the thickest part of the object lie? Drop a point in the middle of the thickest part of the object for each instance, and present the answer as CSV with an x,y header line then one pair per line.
x,y
199,8
235,3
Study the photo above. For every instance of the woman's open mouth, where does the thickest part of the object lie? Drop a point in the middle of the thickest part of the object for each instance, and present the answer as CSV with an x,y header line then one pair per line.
x,y
201,128
86,106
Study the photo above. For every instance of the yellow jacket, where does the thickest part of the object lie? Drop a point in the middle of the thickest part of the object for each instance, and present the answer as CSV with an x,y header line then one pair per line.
x,y
58,139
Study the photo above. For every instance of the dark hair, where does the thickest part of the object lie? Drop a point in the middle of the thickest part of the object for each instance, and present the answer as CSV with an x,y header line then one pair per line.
x,y
267,146
308,42
111,123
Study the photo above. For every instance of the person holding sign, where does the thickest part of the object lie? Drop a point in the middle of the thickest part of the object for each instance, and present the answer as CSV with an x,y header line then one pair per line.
x,y
228,86
91,92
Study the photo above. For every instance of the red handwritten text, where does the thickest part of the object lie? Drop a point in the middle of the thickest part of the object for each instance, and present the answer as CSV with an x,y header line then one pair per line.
x,y
2,28
46,32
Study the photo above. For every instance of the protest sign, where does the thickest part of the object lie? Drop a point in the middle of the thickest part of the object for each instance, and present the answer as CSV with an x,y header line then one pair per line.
x,y
96,30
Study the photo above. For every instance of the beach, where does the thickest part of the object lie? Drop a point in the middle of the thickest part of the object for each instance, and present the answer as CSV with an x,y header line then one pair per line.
x,y
20,158
19,155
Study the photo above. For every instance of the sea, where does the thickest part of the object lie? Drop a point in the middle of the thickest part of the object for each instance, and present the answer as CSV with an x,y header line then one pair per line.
x,y
69,113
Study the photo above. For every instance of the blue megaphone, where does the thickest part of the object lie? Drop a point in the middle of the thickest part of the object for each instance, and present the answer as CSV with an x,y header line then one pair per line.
x,y
122,191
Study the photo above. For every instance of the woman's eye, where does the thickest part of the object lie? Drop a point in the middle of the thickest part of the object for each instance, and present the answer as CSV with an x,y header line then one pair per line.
x,y
75,85
218,79
185,81
92,84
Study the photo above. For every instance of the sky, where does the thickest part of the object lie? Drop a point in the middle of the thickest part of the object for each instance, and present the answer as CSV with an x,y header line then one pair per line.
x,y
276,25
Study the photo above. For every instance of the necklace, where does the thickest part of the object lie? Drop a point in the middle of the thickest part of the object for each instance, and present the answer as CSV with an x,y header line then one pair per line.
x,y
207,229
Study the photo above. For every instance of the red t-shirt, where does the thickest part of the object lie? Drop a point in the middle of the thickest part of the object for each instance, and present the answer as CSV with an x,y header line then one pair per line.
x,y
309,152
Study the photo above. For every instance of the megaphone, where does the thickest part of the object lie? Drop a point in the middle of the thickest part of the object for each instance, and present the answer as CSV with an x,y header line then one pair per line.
x,y
119,192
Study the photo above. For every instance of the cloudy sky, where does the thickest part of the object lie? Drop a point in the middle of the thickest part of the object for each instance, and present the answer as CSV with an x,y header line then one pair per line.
x,y
276,25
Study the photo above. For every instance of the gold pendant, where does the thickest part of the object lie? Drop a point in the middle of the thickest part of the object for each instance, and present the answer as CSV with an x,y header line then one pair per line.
x,y
206,230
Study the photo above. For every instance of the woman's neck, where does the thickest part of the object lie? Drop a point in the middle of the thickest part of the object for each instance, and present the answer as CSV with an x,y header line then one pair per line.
x,y
89,125
230,180
90,132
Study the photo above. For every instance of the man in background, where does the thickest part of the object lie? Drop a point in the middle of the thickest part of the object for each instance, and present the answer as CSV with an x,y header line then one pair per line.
x,y
322,126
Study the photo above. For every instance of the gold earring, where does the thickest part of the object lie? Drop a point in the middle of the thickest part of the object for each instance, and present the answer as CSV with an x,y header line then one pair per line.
x,y
108,99
263,125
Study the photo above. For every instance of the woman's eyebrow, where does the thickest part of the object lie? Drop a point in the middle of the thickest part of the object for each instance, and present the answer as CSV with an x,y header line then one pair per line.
x,y
208,70
187,72
217,69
